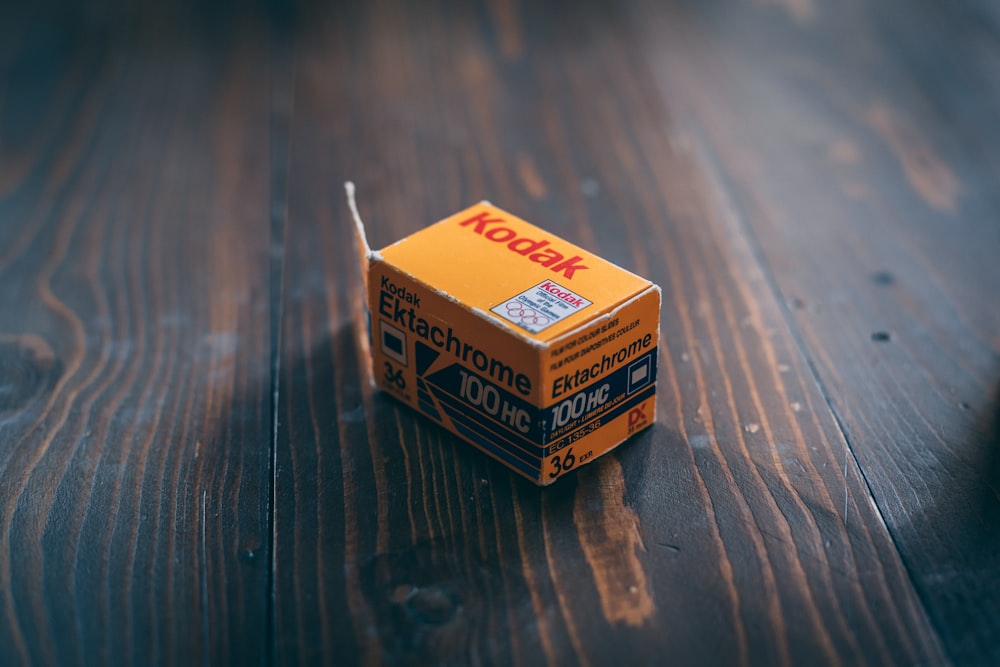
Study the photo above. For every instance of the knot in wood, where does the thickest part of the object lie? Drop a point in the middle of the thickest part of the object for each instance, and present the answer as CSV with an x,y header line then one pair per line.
x,y
27,368
433,605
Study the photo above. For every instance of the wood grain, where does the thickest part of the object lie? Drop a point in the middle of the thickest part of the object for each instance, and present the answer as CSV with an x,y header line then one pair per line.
x,y
738,531
134,372
873,203
194,467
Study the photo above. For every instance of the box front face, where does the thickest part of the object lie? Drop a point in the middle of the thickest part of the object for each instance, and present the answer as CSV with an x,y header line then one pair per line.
x,y
457,368
600,385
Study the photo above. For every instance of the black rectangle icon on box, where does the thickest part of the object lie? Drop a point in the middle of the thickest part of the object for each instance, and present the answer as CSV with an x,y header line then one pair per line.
x,y
393,342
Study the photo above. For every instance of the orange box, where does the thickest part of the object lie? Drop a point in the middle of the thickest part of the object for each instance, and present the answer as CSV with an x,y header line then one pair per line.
x,y
535,351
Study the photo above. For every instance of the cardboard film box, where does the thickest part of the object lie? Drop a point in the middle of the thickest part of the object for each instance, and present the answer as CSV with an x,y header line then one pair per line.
x,y
535,351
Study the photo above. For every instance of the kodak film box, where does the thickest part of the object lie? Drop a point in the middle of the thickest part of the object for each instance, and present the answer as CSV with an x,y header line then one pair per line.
x,y
537,352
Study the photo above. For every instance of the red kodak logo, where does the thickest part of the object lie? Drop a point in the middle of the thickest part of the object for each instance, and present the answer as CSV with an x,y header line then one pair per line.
x,y
538,251
571,298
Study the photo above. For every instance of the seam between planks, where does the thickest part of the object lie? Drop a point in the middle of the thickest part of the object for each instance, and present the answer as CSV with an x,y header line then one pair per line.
x,y
279,126
718,180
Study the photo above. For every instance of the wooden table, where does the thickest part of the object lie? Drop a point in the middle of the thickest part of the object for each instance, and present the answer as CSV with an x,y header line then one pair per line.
x,y
195,469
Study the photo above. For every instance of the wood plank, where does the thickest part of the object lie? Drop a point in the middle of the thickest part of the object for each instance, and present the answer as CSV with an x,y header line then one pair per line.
x,y
859,143
737,531
134,375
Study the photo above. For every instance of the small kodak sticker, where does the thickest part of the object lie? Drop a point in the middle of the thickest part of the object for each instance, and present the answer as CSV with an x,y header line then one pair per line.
x,y
541,306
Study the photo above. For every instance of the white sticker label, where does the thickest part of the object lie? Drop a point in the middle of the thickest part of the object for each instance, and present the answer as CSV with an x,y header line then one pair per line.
x,y
541,306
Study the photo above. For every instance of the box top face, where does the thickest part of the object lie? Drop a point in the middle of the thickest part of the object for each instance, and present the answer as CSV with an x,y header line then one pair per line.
x,y
525,278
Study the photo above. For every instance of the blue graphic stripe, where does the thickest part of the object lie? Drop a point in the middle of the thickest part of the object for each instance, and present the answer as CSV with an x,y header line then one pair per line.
x,y
618,411
493,436
502,431
429,409
490,440
531,473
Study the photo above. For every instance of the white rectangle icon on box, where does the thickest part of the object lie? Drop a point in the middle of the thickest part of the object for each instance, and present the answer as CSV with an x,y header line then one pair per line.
x,y
639,373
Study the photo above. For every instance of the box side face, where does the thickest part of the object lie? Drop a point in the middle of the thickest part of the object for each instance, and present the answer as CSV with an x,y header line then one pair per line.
x,y
457,368
599,385
528,279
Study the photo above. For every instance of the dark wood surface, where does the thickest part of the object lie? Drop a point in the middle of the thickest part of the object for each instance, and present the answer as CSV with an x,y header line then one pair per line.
x,y
194,467
135,402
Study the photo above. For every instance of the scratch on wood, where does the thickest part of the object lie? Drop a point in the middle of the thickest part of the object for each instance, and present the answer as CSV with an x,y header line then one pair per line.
x,y
203,577
611,542
930,177
847,493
